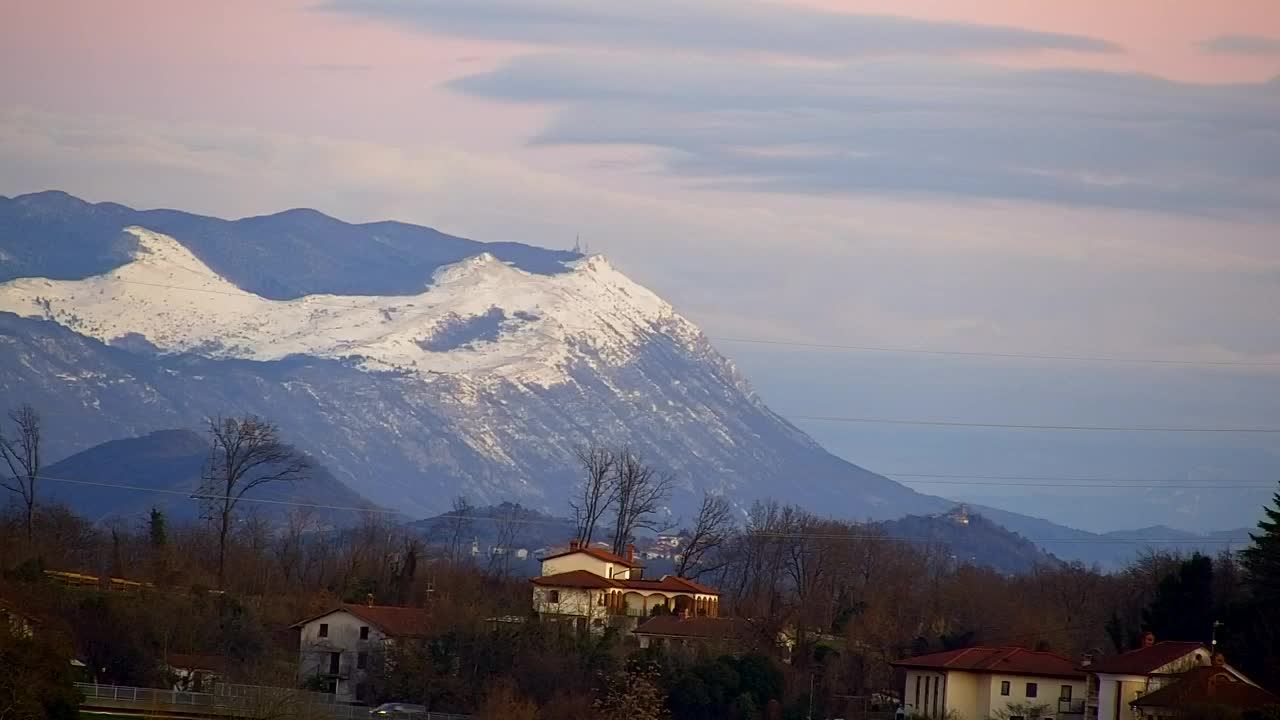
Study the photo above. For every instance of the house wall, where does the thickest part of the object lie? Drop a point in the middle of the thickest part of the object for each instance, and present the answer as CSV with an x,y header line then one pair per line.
x,y
314,652
924,693
976,696
1115,692
573,601
583,561
964,696
1048,691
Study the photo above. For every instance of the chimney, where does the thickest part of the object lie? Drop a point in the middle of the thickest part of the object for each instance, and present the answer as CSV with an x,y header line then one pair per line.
x,y
1148,639
574,544
368,600
631,553
1086,660
1219,660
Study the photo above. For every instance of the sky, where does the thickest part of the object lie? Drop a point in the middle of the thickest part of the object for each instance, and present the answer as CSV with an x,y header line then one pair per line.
x,y
1085,178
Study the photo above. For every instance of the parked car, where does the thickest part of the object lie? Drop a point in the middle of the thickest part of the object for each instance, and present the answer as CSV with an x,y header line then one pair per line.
x,y
398,710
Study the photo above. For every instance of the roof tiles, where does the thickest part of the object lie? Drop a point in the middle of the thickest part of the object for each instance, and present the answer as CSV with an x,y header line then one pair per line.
x,y
1007,660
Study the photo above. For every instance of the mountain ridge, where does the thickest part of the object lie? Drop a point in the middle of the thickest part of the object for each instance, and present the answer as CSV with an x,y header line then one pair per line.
x,y
122,479
620,366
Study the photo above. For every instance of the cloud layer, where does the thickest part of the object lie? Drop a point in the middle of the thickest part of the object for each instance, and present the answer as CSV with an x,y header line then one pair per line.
x,y
708,26
1070,137
1243,45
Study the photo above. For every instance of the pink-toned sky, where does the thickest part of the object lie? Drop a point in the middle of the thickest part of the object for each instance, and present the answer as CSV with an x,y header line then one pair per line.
x,y
241,106
281,63
1100,200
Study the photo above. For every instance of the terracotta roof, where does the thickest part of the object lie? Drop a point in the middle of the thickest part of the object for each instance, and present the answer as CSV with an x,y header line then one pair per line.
x,y
576,579
588,579
392,620
210,663
670,583
1143,660
596,553
1009,660
1208,686
707,628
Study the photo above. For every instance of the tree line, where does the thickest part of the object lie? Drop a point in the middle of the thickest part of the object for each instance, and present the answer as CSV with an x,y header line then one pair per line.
x,y
827,603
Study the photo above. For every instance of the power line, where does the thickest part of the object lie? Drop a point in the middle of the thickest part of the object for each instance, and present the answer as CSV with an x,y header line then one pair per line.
x,y
1019,426
1012,356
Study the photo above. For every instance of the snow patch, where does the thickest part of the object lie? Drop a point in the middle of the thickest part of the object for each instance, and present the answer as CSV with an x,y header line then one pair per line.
x,y
480,318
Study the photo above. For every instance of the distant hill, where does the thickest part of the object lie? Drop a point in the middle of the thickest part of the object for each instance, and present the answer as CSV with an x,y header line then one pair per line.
x,y
531,529
971,538
161,469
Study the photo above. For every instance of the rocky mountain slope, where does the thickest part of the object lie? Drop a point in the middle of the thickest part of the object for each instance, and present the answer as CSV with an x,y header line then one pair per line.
x,y
479,376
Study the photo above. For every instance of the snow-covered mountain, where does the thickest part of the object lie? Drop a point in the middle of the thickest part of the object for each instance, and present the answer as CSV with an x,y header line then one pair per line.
x,y
479,318
416,365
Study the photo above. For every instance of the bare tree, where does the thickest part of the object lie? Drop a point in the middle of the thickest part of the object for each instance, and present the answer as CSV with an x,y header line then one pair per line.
x,y
507,520
245,453
290,544
22,454
712,528
640,491
599,492
459,525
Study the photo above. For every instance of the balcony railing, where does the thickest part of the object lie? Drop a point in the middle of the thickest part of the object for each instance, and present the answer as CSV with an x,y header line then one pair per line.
x,y
1070,707
628,612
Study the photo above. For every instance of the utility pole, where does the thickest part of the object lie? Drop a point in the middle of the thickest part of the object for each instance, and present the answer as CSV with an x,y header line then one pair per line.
x,y
1213,644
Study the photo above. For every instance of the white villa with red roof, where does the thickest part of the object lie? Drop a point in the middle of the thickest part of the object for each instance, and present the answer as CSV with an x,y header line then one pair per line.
x,y
592,587
982,682
1119,683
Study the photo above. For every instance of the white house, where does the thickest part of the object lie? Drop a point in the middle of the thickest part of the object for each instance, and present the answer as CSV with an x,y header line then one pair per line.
x,y
589,586
1115,682
981,682
339,647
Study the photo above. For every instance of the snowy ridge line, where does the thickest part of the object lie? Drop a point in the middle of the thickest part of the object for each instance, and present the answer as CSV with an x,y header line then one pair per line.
x,y
480,318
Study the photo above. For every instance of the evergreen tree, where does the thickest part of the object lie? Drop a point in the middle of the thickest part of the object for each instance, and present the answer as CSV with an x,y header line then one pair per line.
x,y
1262,559
157,532
1183,608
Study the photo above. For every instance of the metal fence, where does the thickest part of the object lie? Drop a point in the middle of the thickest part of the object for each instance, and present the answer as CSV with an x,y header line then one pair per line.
x,y
232,698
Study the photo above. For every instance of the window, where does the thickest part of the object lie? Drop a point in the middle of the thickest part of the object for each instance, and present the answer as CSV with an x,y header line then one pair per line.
x,y
364,632
1065,693
1004,688
362,660
917,703
335,660
1032,689
324,629
362,691
553,596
